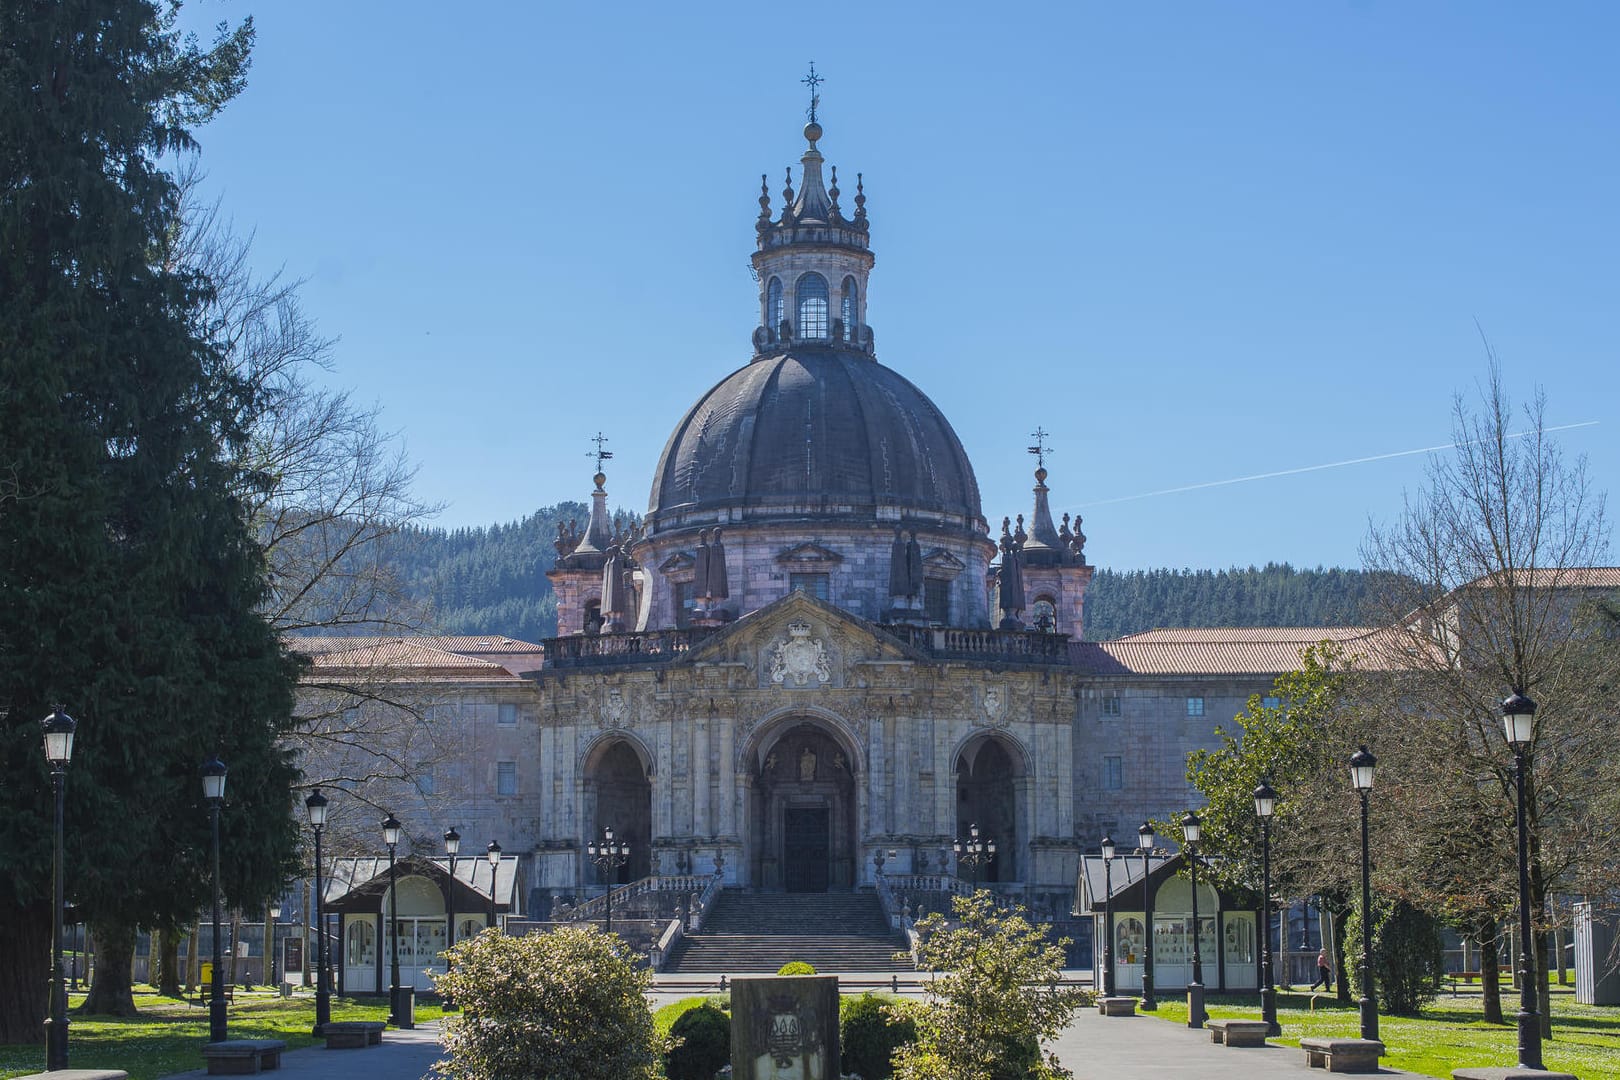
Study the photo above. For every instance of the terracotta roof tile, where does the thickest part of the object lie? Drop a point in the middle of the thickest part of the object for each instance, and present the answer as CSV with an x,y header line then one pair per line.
x,y
407,657
1223,651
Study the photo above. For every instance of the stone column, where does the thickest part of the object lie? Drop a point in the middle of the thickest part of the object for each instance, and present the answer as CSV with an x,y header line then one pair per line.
x,y
548,782
727,824
702,822
663,785
879,819
905,770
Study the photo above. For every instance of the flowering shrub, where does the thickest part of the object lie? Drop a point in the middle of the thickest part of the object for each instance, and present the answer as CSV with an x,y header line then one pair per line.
x,y
564,1005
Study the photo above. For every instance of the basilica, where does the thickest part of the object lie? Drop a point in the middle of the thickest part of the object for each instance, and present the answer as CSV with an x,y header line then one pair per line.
x,y
815,655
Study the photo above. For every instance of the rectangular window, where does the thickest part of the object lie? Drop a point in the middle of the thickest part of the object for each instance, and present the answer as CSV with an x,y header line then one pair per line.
x,y
1195,706
506,778
1111,706
937,600
814,584
681,593
1113,772
1270,702
425,782
508,714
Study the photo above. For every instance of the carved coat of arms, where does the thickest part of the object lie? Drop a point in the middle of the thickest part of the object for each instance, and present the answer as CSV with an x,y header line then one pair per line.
x,y
994,700
614,707
801,658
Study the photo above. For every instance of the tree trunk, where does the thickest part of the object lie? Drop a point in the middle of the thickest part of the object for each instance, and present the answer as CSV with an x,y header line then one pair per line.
x,y
25,942
1538,939
112,988
1337,919
169,975
1490,971
193,962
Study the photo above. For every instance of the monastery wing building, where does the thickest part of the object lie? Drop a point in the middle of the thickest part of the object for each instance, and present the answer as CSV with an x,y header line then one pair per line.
x,y
815,649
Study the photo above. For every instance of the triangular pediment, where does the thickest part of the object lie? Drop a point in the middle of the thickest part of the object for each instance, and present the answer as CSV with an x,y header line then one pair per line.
x,y
677,562
810,553
785,619
943,562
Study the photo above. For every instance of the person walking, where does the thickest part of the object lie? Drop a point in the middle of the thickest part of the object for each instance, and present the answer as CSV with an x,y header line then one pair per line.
x,y
1324,974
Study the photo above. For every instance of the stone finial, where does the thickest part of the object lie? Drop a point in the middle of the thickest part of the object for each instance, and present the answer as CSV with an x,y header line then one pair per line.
x,y
860,200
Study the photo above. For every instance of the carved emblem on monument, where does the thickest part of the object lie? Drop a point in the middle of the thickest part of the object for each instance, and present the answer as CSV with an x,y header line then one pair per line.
x,y
800,658
994,700
614,707
786,1043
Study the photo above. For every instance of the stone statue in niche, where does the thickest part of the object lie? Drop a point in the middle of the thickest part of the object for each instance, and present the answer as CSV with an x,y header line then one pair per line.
x,y
839,765
807,765
770,762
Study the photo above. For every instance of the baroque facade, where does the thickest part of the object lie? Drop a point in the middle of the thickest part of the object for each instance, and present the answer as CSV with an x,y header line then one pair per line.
x,y
815,649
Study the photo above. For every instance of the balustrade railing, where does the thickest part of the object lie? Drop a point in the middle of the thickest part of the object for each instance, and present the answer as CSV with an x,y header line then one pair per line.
x,y
955,643
596,906
598,650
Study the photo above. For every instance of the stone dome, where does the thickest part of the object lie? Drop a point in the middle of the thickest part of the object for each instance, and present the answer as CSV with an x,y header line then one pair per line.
x,y
814,432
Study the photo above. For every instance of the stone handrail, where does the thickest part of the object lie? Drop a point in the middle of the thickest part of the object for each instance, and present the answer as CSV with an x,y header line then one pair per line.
x,y
952,643
898,914
667,941
598,650
596,906
706,899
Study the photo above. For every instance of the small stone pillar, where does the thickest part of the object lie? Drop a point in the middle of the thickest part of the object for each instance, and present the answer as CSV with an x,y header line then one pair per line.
x,y
785,1028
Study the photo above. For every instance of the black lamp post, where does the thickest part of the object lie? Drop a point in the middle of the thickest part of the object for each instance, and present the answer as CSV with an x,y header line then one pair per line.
x,y
390,828
1144,843
58,729
315,804
494,856
270,948
608,855
974,852
1518,725
213,777
1108,917
452,847
1191,829
1265,804
1362,764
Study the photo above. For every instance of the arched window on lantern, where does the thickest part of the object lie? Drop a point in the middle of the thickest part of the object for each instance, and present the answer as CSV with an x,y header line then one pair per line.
x,y
773,307
847,308
812,299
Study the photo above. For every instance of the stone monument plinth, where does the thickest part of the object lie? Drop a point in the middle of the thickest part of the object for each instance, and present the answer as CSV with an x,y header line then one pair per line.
x,y
785,1028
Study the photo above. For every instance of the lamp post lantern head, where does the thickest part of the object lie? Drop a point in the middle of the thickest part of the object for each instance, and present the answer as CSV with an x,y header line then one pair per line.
x,y
494,854
1191,827
58,728
973,830
1107,848
390,828
275,912
315,804
213,778
1144,837
452,842
1265,801
1518,720
607,835
1362,764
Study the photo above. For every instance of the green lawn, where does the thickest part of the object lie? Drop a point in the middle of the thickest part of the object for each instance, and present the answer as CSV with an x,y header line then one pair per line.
x,y
1450,1034
169,1034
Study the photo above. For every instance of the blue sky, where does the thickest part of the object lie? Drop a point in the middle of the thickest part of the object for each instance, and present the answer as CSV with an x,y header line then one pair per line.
x,y
1192,241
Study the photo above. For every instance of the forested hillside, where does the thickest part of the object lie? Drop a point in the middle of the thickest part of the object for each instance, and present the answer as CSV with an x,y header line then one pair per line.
x,y
492,580
1119,603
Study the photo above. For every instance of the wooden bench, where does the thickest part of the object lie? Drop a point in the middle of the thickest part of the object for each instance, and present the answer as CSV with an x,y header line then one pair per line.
x,y
1116,1006
243,1055
1469,977
353,1034
205,995
1342,1055
1238,1032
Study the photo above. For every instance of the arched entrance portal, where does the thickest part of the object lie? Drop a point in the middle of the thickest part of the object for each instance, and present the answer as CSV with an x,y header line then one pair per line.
x,y
989,782
802,812
618,793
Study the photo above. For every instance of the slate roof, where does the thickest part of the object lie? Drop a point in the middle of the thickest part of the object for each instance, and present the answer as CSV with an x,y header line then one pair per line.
x,y
460,656
814,431
351,873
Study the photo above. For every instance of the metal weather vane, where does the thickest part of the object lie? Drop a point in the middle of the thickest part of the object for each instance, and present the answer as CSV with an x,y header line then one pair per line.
x,y
813,81
1040,449
600,454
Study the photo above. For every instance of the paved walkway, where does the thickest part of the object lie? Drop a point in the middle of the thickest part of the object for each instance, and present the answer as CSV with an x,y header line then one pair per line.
x,y
403,1055
1095,1047
1098,1047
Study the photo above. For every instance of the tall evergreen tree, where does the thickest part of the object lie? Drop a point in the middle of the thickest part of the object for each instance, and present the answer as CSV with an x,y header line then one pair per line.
x,y
129,579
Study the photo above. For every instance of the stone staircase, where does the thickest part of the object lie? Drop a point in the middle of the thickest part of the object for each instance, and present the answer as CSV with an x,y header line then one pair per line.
x,y
759,932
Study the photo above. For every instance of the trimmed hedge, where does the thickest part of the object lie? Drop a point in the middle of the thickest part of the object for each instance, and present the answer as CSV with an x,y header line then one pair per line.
x,y
796,967
703,1044
870,1030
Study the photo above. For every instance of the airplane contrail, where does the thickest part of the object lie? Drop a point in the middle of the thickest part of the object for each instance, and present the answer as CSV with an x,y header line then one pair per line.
x,y
1311,468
